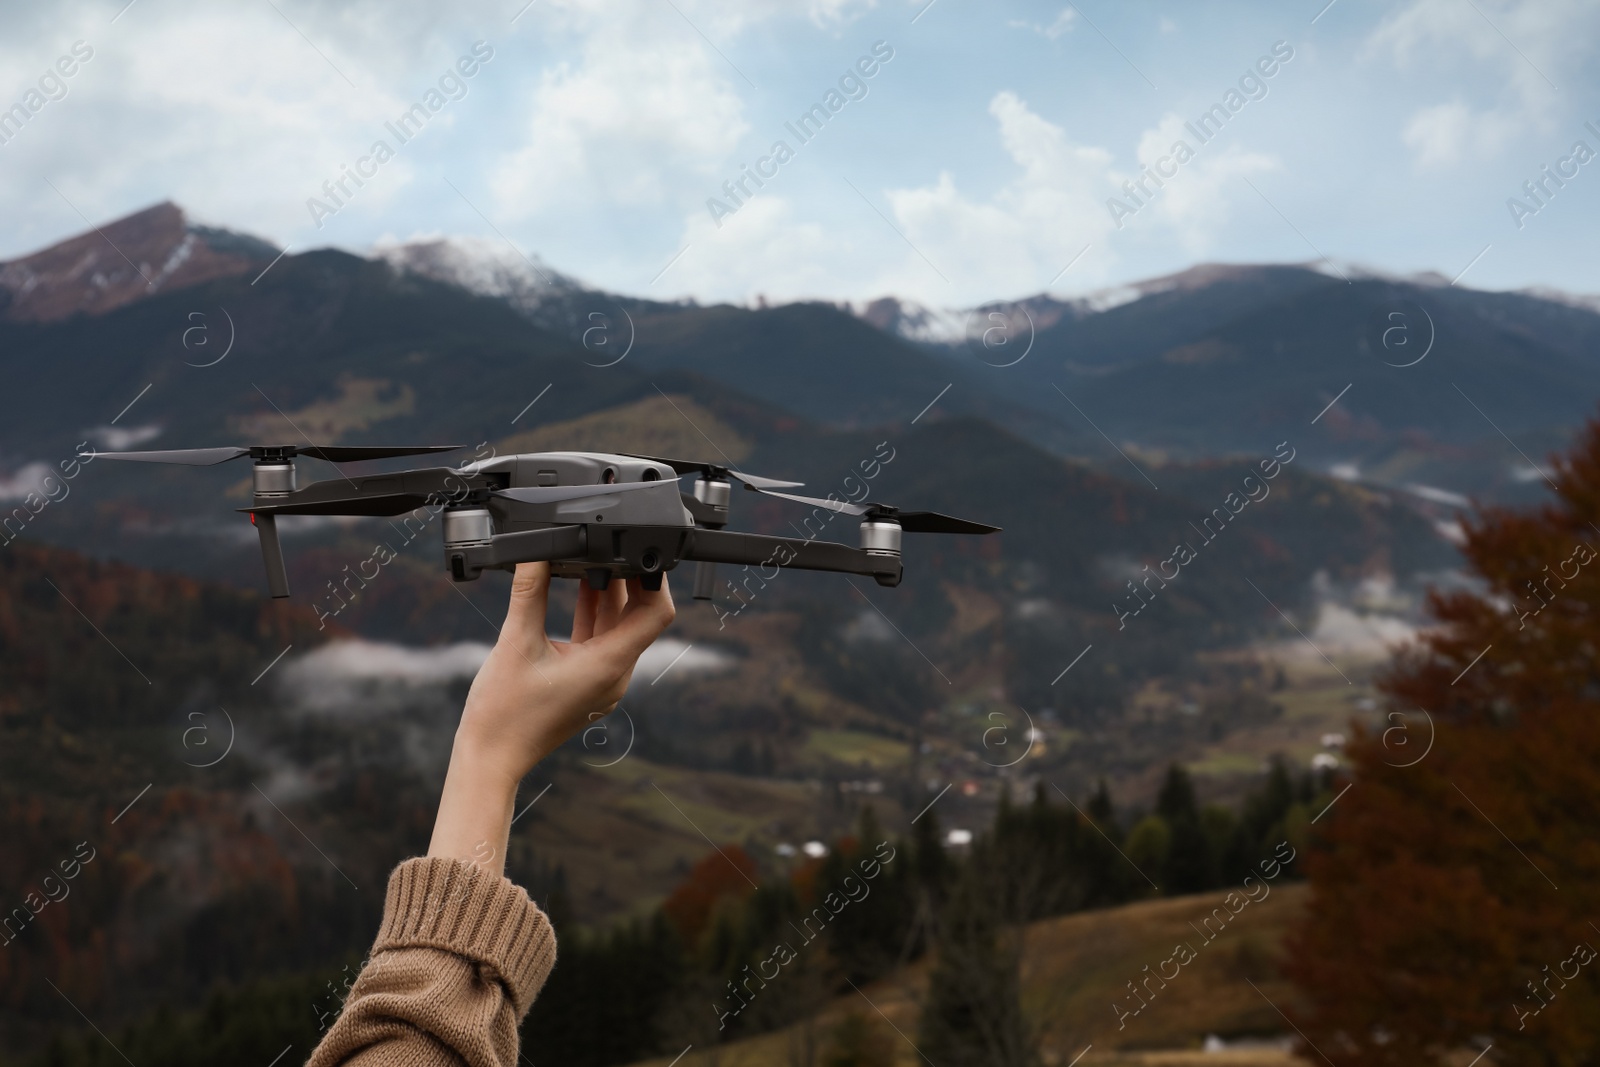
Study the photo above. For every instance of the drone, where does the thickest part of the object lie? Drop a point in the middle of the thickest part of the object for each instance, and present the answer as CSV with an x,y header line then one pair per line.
x,y
595,516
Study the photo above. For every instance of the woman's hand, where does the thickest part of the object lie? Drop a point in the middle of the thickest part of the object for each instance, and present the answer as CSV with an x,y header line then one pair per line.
x,y
532,694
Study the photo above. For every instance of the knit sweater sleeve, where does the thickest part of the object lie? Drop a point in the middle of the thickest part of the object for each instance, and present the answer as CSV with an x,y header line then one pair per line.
x,y
457,962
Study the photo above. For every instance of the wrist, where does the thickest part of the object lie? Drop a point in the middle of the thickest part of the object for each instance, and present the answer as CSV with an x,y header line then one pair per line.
x,y
490,761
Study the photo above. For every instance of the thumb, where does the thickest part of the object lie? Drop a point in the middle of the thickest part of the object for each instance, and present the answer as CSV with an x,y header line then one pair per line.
x,y
530,594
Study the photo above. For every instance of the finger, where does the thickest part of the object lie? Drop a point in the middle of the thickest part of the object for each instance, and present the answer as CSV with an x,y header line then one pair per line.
x,y
647,613
610,605
583,615
530,594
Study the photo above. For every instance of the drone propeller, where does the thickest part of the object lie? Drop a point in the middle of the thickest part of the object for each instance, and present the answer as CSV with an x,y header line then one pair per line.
x,y
554,494
205,457
713,470
910,521
194,457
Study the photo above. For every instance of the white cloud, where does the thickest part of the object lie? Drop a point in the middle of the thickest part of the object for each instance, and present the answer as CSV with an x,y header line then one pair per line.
x,y
1528,40
353,676
188,102
779,256
1018,240
1443,135
1195,202
1056,204
1341,630
629,123
679,661
717,19
1062,25
28,478
1527,46
1437,134
1440,496
167,97
122,438
869,628
829,12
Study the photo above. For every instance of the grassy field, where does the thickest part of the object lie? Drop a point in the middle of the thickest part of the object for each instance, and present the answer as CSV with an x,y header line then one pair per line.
x,y
627,834
855,747
1316,699
652,426
1075,967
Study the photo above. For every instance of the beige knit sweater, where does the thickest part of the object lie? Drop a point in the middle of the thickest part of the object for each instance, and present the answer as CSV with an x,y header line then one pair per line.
x,y
459,958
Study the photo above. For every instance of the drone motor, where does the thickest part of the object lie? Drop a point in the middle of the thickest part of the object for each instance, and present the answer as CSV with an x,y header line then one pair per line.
x,y
880,538
467,526
272,478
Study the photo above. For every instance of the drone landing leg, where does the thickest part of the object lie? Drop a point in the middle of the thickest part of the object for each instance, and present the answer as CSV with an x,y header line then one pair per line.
x,y
272,555
651,581
705,580
598,578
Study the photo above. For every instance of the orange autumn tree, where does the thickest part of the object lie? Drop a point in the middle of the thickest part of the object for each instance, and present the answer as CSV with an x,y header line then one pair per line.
x,y
1450,891
727,871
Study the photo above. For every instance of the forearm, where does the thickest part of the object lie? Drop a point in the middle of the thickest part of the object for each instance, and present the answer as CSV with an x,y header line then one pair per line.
x,y
475,808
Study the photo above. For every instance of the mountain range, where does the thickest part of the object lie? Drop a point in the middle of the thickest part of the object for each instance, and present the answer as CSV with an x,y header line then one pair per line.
x,y
1214,360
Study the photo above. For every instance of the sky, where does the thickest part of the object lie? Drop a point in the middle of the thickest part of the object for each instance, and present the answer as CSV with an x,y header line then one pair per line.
x,y
982,158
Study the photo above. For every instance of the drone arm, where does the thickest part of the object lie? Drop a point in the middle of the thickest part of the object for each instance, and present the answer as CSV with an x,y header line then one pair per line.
x,y
723,546
379,494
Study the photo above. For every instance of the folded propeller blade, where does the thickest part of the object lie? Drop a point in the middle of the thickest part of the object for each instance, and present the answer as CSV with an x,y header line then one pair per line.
x,y
910,521
353,453
693,466
204,457
841,506
933,522
755,481
193,457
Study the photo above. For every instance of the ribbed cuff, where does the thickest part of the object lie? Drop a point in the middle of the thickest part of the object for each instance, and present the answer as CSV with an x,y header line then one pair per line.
x,y
454,906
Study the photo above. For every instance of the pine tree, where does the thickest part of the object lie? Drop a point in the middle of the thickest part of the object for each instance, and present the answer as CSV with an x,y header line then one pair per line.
x,y
1101,809
972,1016
1108,877
930,865
1189,866
872,933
